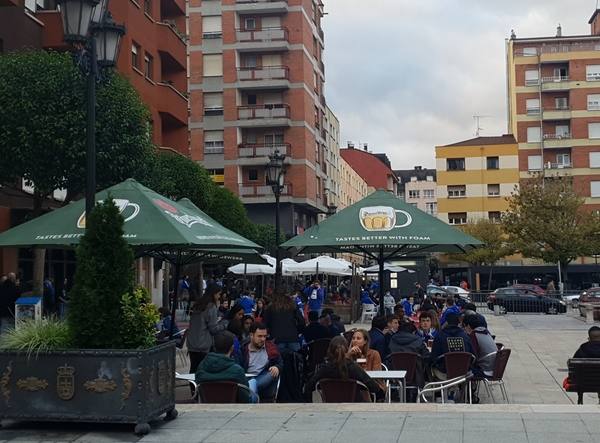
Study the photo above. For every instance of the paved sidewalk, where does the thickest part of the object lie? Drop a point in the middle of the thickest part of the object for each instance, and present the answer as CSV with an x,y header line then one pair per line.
x,y
347,423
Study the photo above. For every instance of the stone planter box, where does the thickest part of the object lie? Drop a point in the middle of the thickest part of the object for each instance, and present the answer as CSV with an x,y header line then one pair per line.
x,y
103,386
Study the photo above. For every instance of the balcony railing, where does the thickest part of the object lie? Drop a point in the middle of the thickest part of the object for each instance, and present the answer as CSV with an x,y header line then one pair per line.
x,y
557,49
278,110
555,79
262,35
558,165
263,150
260,1
264,73
214,148
561,136
256,190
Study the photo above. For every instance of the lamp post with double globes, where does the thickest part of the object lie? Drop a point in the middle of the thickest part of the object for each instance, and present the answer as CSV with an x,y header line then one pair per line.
x,y
95,37
276,178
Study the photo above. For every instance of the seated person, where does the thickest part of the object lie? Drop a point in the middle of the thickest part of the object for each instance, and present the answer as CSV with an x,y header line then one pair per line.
x,y
591,348
483,344
405,340
359,349
315,330
262,361
393,323
366,299
166,324
339,366
218,366
337,325
377,336
471,309
451,308
408,304
426,330
325,320
458,301
450,339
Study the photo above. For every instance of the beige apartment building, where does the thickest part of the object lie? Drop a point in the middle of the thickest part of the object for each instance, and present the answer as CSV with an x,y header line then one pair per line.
x,y
418,187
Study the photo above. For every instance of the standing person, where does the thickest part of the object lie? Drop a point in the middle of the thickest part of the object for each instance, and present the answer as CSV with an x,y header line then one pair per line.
x,y
550,288
184,289
9,293
419,293
49,298
299,302
204,325
246,301
315,296
260,310
389,302
284,323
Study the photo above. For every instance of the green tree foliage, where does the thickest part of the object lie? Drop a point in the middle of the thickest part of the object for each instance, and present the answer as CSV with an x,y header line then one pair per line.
x,y
547,220
228,210
138,319
104,273
43,121
265,236
177,177
495,244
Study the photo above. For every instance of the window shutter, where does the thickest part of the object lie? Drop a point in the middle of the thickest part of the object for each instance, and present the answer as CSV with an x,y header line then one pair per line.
x,y
594,159
593,130
213,100
592,72
534,162
595,189
212,65
534,134
211,24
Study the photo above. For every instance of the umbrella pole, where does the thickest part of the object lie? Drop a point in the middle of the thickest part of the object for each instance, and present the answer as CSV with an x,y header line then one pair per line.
x,y
245,272
174,307
382,290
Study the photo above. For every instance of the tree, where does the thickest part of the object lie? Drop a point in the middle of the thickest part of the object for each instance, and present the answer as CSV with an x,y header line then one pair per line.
x,y
265,236
495,245
548,220
228,210
176,177
104,274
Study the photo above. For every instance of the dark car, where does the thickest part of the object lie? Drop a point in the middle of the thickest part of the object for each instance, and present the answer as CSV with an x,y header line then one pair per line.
x,y
591,296
531,288
513,299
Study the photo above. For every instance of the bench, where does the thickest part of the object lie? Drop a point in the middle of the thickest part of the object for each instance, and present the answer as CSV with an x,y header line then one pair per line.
x,y
584,376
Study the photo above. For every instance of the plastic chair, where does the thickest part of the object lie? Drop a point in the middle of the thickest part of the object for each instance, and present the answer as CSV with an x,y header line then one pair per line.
x,y
497,377
368,313
220,391
334,390
317,350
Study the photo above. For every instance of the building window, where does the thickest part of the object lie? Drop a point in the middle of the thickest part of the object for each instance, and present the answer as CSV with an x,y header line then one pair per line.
x,y
211,26
534,134
213,142
252,175
213,103
212,65
594,130
493,163
595,189
428,193
455,164
563,160
529,52
148,66
534,163
148,7
495,216
532,77
533,106
250,24
413,194
593,102
457,191
592,73
594,159
493,190
135,57
457,218
561,103
431,208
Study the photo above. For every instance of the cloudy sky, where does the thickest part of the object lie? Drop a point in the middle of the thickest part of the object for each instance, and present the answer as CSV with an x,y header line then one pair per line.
x,y
407,75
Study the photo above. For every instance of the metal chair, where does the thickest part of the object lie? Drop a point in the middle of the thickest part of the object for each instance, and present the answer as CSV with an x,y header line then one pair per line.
x,y
334,390
458,364
441,387
368,313
220,392
497,377
406,361
317,350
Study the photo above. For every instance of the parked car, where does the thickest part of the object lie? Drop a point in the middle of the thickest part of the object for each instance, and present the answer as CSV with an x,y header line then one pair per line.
x,y
437,291
463,293
592,296
572,299
532,288
513,299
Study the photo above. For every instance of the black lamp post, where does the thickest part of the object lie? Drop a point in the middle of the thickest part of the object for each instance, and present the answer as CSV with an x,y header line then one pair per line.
x,y
275,178
88,26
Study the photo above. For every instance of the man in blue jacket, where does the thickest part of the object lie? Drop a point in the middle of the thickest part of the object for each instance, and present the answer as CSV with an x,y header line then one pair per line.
x,y
451,308
315,295
452,338
377,336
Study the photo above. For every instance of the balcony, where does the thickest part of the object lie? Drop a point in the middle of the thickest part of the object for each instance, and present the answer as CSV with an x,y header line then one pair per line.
x,y
254,150
252,190
172,102
557,140
550,165
264,115
266,39
261,6
558,83
171,43
563,113
266,77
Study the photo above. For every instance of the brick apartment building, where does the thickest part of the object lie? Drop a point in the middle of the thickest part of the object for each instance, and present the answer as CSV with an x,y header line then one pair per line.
x,y
554,106
375,169
256,86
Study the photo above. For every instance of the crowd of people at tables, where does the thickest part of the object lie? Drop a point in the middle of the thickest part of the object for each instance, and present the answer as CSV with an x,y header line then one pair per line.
x,y
246,340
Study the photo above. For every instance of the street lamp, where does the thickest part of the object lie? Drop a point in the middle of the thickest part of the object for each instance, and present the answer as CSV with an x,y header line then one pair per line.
x,y
89,28
275,178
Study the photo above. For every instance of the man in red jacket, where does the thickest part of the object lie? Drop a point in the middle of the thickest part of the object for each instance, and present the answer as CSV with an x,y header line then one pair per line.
x,y
262,362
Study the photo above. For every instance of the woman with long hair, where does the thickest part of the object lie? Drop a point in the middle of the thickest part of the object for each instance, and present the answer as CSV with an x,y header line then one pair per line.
x,y
259,313
204,325
284,323
339,366
359,351
235,316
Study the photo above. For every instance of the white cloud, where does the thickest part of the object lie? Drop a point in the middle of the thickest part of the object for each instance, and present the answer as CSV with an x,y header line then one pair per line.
x,y
407,75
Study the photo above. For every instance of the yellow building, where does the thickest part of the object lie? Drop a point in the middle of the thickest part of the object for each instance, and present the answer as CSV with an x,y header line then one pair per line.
x,y
475,177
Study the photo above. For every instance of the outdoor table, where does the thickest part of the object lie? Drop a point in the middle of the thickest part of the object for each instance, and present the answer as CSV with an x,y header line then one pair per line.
x,y
398,376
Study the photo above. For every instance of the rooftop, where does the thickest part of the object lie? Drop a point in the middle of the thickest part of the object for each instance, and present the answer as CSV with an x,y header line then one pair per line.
x,y
506,139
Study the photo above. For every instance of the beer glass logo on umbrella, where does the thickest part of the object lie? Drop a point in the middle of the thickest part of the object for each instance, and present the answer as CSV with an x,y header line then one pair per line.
x,y
127,209
383,218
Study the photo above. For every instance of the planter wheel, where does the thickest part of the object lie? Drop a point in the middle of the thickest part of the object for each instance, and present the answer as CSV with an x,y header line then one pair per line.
x,y
171,414
142,429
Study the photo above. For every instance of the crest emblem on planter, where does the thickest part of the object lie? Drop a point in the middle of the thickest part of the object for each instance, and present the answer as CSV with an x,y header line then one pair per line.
x,y
65,382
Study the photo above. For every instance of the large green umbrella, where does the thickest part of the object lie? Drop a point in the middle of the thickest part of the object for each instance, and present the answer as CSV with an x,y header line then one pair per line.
x,y
383,227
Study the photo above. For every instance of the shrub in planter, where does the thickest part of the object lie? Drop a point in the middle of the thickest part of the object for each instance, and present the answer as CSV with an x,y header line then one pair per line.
x,y
35,336
138,319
